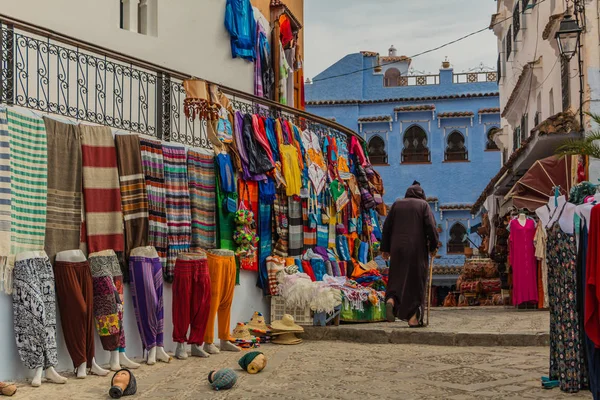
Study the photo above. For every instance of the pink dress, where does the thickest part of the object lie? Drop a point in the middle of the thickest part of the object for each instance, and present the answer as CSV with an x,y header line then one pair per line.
x,y
523,262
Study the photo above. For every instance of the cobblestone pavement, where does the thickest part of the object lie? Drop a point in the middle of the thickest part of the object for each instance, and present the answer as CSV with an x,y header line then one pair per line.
x,y
336,370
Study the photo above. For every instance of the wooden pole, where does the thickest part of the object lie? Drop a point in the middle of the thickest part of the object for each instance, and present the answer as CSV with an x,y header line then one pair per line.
x,y
429,286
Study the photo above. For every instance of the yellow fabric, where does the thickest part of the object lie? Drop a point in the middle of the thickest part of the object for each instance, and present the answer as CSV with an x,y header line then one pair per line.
x,y
290,261
291,170
343,165
222,272
316,158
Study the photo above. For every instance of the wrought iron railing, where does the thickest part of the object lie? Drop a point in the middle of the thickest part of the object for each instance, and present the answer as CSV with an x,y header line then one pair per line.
x,y
457,155
54,73
416,156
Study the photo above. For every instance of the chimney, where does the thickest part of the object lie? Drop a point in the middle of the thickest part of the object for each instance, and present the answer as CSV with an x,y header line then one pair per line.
x,y
392,52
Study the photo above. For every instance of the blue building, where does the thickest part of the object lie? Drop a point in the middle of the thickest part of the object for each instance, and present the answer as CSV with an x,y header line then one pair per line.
x,y
436,129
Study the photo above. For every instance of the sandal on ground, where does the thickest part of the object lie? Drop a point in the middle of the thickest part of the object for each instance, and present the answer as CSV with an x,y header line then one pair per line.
x,y
419,316
389,312
7,389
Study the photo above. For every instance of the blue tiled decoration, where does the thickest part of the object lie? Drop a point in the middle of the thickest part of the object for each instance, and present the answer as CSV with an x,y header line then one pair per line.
x,y
453,186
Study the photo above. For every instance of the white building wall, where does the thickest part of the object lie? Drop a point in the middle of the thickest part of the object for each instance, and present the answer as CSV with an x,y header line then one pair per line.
x,y
189,36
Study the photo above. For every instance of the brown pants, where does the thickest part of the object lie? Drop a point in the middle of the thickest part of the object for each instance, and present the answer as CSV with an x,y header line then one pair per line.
x,y
75,302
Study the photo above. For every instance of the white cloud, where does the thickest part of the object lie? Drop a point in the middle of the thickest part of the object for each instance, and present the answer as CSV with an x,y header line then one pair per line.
x,y
335,28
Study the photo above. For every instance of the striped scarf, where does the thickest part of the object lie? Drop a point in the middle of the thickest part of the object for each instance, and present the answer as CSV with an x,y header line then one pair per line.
x,y
101,192
5,281
296,242
153,166
29,180
201,176
133,193
179,220
308,217
280,212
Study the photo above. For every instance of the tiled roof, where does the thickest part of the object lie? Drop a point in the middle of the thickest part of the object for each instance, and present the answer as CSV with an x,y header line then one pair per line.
x,y
375,118
456,114
369,53
552,21
403,99
393,59
422,107
450,270
494,110
456,206
515,93
563,122
432,199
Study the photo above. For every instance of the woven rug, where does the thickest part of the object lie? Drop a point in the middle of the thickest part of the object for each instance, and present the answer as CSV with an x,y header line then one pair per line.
x,y
101,191
5,281
153,166
179,220
63,219
201,177
133,192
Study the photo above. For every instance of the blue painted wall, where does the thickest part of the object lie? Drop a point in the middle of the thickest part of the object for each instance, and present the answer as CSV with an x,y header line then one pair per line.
x,y
450,182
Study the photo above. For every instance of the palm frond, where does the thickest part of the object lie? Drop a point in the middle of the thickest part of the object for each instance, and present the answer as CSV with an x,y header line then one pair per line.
x,y
587,146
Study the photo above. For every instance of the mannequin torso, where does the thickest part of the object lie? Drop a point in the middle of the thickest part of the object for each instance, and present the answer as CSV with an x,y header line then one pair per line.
x,y
73,256
26,255
103,253
522,219
564,213
148,251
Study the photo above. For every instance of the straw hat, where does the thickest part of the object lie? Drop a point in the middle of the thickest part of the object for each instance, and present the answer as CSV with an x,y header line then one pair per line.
x,y
287,339
241,332
257,322
286,324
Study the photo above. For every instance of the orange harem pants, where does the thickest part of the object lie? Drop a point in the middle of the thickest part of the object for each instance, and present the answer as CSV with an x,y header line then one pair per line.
x,y
222,270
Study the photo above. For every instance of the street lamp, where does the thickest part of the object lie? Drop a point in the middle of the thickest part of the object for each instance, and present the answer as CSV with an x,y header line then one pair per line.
x,y
568,37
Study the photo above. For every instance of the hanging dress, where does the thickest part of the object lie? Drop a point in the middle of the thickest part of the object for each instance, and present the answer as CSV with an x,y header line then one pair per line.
x,y
567,363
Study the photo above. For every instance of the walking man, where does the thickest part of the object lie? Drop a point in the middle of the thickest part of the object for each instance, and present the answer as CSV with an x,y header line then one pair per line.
x,y
409,235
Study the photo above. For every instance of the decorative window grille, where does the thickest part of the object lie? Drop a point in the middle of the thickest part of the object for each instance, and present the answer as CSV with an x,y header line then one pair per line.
x,y
377,153
458,239
517,138
490,143
456,149
416,148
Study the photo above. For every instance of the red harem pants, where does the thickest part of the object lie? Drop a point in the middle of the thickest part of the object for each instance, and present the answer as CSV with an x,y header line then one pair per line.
x,y
191,300
222,269
75,295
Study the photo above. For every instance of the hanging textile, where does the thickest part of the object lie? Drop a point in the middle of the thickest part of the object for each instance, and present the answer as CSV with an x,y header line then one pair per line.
x,y
5,211
258,159
309,221
249,200
540,240
291,170
240,23
523,262
63,218
101,191
281,221
592,279
153,166
134,197
296,242
179,219
201,176
265,218
225,217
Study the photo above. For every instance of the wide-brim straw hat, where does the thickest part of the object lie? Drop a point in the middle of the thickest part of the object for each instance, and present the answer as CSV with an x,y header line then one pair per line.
x,y
257,322
279,333
286,324
287,339
241,332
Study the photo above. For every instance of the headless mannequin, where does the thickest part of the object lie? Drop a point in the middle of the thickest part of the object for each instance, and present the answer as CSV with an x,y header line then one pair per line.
x,y
51,373
522,219
197,351
117,358
549,213
157,352
585,210
77,256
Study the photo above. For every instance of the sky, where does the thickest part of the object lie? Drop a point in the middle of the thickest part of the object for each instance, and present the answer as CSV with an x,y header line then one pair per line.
x,y
335,28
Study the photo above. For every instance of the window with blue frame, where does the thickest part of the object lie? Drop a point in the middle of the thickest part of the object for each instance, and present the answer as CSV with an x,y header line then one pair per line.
x,y
416,148
456,150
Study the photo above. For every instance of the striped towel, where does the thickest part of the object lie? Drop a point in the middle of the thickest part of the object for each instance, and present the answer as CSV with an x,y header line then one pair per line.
x,y
179,220
101,192
310,234
133,193
280,212
29,182
5,281
152,163
63,223
201,176
296,241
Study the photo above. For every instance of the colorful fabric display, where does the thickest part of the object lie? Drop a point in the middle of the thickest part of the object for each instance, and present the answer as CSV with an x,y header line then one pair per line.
x,y
296,242
5,211
147,298
201,181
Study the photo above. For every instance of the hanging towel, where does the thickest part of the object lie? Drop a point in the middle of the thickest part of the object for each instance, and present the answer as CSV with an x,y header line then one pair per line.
x,y
225,219
296,242
133,194
179,220
153,166
5,272
280,211
101,191
201,177
63,218
265,211
29,180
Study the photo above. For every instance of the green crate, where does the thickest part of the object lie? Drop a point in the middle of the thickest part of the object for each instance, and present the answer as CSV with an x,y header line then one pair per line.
x,y
370,313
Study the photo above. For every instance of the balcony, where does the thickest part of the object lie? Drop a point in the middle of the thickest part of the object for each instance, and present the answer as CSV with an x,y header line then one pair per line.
x,y
53,73
416,156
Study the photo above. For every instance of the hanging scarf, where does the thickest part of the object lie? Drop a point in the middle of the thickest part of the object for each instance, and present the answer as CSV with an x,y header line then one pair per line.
x,y
280,211
258,161
5,211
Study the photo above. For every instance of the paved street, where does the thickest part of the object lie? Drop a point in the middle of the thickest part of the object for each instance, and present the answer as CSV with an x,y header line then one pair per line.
x,y
337,370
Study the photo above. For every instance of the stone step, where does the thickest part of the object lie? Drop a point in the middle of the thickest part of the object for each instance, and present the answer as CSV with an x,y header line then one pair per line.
x,y
403,335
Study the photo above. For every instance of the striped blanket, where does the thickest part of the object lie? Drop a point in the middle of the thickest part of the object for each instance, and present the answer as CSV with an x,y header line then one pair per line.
x,y
153,166
29,182
201,177
296,241
5,281
134,199
280,213
63,222
179,220
101,192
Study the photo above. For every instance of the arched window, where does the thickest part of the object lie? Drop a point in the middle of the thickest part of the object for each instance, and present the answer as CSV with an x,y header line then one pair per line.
x,y
490,144
377,153
391,78
415,146
456,149
457,240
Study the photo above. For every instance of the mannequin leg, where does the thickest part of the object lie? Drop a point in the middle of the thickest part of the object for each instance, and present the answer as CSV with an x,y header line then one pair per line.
x,y
37,377
81,372
115,362
54,377
151,359
161,354
210,348
97,370
216,283
126,362
224,312
200,307
198,352
226,345
181,351
182,298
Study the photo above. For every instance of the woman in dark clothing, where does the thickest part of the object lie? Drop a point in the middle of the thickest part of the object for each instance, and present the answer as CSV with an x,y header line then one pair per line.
x,y
409,234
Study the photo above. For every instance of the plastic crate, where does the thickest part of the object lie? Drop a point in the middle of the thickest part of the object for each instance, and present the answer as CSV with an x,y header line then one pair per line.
x,y
301,316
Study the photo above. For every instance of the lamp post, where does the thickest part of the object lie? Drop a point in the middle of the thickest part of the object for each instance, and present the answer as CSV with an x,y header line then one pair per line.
x,y
569,43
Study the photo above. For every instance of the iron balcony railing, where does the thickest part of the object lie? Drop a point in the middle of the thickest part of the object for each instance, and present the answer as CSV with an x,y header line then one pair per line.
x,y
53,73
416,156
